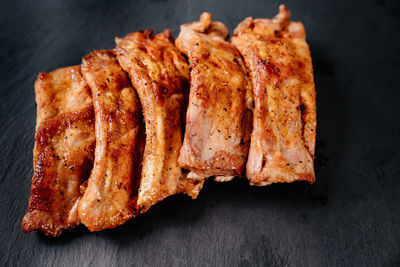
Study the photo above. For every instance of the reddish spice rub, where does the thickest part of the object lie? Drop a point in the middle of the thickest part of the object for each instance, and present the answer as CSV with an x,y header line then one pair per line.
x,y
284,125
111,195
63,153
218,120
160,75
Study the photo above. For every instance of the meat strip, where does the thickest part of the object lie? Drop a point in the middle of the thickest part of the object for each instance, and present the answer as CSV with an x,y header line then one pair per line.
x,y
111,195
160,75
219,119
63,152
283,138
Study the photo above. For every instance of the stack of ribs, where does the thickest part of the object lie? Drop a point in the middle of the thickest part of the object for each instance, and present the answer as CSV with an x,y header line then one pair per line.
x,y
153,118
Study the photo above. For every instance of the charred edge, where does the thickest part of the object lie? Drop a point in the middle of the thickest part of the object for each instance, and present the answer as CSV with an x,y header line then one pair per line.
x,y
303,112
149,33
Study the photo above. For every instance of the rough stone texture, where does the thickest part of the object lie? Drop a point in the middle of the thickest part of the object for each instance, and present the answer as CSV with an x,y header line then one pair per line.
x,y
349,217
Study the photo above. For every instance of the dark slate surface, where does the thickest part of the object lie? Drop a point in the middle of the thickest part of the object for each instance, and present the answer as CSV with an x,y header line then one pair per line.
x,y
349,217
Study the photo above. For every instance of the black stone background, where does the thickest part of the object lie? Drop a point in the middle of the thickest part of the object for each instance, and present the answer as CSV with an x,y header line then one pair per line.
x,y
349,217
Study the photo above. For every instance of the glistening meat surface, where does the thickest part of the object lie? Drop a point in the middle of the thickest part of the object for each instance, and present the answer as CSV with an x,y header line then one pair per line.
x,y
160,75
111,195
218,120
63,153
283,137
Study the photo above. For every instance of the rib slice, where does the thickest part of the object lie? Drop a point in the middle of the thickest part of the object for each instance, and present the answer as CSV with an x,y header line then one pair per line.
x,y
63,153
159,73
111,194
283,138
218,121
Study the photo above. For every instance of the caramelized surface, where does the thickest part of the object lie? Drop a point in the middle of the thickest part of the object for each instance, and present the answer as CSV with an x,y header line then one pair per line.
x,y
63,153
91,113
283,138
160,75
111,194
218,121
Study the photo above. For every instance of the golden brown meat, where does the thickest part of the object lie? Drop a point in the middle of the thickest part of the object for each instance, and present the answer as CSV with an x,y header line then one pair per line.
x,y
218,121
111,195
63,153
160,75
283,138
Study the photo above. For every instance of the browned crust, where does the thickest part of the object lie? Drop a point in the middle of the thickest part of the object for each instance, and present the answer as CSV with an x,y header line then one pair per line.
x,y
279,61
159,73
47,211
63,152
111,194
218,109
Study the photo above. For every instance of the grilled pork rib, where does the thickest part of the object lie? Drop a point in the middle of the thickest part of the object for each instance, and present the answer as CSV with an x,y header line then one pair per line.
x,y
218,120
160,75
283,137
63,153
111,195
